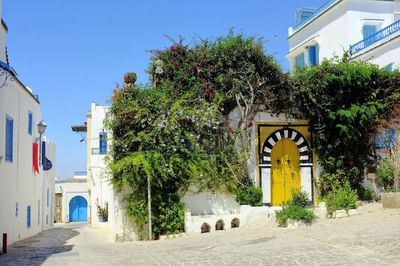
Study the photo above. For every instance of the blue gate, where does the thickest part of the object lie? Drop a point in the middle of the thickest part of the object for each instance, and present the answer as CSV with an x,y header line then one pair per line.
x,y
78,209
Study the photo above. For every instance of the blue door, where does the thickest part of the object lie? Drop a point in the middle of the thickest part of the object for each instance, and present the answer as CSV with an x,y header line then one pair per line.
x,y
78,209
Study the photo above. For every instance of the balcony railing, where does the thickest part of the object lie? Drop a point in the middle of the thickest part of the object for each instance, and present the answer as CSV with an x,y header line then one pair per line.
x,y
317,12
374,38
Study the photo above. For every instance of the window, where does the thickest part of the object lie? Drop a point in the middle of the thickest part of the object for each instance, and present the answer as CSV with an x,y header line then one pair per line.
x,y
385,139
369,30
47,198
9,139
16,209
30,121
103,143
300,60
28,217
313,56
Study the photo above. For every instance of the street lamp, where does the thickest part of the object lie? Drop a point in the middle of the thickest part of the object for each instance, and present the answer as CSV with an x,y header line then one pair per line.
x,y
41,129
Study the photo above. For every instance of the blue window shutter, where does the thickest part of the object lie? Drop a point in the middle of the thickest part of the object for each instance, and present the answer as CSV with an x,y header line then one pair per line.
x,y
28,216
300,60
385,139
30,121
313,57
369,30
103,143
9,139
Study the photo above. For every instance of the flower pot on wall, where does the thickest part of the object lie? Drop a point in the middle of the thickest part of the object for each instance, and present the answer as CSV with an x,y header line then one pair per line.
x,y
101,218
391,200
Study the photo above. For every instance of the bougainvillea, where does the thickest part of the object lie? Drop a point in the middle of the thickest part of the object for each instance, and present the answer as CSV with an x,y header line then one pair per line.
x,y
176,131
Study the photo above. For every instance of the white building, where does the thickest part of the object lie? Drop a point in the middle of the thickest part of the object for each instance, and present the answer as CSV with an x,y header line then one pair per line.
x,y
72,199
100,188
27,169
368,29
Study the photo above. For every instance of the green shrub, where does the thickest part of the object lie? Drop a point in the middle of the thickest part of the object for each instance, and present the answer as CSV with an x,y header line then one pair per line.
x,y
249,195
295,209
342,198
171,218
385,173
366,194
294,212
299,198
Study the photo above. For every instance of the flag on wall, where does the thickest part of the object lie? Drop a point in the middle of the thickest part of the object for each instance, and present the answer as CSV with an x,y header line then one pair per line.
x,y
35,158
47,165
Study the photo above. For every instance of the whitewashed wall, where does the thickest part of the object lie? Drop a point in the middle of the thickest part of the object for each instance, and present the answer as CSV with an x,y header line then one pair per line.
x,y
207,202
339,27
69,189
101,189
18,184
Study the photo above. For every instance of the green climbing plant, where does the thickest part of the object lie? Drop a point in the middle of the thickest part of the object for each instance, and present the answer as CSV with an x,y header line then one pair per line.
x,y
176,130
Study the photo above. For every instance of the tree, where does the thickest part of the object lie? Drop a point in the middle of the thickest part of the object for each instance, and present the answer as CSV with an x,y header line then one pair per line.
x,y
345,102
176,131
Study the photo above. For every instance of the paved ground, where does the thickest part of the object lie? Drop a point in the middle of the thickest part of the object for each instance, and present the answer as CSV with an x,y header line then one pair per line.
x,y
371,238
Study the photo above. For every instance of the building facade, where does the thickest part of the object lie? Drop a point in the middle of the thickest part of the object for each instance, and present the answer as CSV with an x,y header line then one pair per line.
x,y
99,179
369,30
72,199
27,159
100,187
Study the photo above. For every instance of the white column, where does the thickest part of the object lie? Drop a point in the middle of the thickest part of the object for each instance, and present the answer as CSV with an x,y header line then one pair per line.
x,y
266,185
306,180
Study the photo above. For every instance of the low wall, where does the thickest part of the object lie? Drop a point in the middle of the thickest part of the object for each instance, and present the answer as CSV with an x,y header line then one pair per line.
x,y
245,215
391,200
210,203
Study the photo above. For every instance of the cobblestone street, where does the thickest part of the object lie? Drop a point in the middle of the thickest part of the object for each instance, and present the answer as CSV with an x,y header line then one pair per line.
x,y
370,238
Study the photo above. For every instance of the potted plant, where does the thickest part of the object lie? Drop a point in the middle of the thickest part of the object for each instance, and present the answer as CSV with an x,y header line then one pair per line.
x,y
102,212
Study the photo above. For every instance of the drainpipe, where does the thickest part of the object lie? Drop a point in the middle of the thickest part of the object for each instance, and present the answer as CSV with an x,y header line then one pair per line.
x,y
396,10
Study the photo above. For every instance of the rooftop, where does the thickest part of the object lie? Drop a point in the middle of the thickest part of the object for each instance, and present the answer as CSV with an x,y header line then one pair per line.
x,y
310,14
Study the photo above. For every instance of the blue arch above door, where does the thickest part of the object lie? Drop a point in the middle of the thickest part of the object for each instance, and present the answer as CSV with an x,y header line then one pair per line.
x,y
78,209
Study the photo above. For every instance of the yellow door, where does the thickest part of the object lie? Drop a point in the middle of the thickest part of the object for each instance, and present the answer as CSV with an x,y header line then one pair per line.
x,y
285,170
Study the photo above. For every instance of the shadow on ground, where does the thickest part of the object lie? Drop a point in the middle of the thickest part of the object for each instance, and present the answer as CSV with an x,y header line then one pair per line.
x,y
35,250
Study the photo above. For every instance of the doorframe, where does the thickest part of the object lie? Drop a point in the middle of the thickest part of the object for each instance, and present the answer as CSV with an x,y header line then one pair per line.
x,y
264,167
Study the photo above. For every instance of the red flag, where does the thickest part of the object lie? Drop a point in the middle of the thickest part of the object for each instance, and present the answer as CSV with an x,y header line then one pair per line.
x,y
35,158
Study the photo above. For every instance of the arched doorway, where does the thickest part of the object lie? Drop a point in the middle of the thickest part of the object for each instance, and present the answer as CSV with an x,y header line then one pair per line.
x,y
285,163
285,170
78,209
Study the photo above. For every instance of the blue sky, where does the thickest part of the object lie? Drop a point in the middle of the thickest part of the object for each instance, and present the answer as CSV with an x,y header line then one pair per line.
x,y
72,52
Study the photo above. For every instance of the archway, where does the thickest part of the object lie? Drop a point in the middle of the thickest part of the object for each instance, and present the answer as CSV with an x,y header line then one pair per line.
x,y
78,209
285,163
